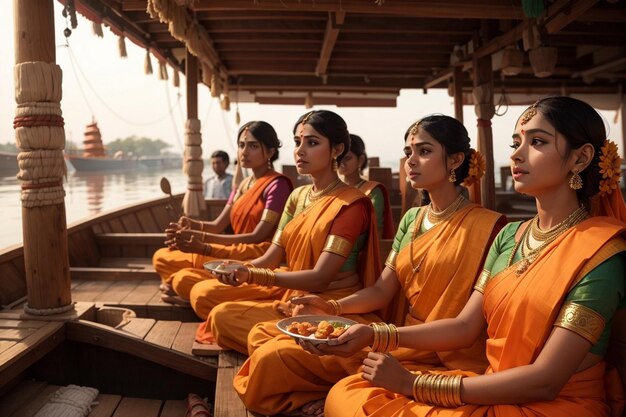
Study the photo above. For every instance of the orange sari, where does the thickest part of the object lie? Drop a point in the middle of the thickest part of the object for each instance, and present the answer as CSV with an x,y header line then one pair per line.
x,y
520,313
280,376
304,238
388,226
245,214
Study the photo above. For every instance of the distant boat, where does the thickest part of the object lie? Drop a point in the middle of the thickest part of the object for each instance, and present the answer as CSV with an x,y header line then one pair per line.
x,y
8,164
94,157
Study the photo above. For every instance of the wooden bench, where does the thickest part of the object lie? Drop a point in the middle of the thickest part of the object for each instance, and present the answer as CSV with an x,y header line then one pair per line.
x,y
116,268
129,245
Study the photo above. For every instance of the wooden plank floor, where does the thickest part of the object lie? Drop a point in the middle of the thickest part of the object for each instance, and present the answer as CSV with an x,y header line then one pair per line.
x,y
26,399
141,296
23,342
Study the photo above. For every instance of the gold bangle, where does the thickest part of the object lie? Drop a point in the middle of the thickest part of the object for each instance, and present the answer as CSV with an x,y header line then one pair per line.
x,y
335,304
262,276
414,388
376,342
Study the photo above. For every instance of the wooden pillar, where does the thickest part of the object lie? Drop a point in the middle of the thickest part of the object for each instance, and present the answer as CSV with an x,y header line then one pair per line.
x,y
485,110
41,159
193,202
191,74
458,93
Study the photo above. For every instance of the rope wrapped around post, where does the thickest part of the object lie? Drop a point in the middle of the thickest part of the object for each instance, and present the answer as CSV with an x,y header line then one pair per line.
x,y
193,202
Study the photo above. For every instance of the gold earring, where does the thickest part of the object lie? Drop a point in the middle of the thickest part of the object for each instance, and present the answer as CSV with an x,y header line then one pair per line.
x,y
575,182
335,165
269,164
452,177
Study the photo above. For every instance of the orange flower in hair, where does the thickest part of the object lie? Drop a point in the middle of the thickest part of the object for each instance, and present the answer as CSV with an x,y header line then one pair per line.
x,y
477,168
610,167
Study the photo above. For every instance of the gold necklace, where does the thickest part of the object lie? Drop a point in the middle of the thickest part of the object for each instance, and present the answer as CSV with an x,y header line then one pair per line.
x,y
550,236
316,195
440,218
311,197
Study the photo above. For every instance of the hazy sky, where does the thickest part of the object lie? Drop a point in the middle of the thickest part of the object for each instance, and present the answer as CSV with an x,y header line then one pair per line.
x,y
127,102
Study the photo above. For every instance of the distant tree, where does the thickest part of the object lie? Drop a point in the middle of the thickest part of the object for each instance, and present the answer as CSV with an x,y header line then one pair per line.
x,y
9,147
138,146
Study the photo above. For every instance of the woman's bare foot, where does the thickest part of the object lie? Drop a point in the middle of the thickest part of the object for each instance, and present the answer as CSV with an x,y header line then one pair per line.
x,y
311,409
167,289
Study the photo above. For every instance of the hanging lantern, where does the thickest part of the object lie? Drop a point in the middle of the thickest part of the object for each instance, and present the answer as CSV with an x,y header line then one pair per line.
x,y
512,61
543,60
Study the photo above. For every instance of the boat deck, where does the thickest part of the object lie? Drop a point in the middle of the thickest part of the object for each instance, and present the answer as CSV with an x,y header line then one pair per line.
x,y
28,397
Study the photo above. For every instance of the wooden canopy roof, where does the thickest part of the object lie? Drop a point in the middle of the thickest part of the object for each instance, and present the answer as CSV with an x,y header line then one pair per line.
x,y
362,52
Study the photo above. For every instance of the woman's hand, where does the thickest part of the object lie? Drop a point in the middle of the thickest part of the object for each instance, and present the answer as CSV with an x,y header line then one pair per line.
x,y
187,223
170,235
353,340
188,241
311,305
383,370
235,278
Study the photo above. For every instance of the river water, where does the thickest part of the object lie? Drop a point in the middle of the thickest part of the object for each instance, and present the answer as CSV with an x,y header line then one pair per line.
x,y
87,194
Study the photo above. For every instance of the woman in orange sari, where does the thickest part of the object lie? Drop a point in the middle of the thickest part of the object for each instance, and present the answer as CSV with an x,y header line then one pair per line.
x,y
325,228
253,211
547,295
438,252
350,169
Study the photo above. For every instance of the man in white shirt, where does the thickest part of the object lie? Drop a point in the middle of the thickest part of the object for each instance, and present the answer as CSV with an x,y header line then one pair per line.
x,y
219,185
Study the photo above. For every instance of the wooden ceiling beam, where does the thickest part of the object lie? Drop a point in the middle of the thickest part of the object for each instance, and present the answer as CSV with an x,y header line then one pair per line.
x,y
561,11
333,25
565,17
111,14
324,100
458,9
253,15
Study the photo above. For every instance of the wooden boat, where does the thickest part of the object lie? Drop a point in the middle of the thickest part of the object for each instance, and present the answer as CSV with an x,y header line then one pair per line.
x,y
348,53
93,157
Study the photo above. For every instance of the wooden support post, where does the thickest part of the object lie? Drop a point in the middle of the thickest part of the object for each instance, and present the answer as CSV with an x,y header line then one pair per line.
x,y
458,93
193,202
43,209
485,110
191,76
